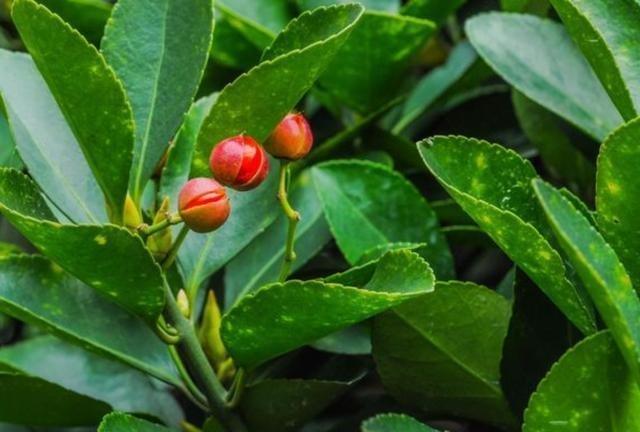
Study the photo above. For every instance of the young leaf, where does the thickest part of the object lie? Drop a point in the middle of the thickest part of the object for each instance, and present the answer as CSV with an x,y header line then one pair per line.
x,y
32,401
113,260
74,312
120,422
441,352
270,321
617,196
492,185
88,93
603,274
368,71
80,371
45,141
245,106
591,380
259,264
394,423
158,48
603,31
525,50
368,205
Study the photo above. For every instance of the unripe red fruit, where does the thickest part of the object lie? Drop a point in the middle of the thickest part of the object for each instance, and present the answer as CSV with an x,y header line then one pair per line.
x,y
239,162
292,139
203,204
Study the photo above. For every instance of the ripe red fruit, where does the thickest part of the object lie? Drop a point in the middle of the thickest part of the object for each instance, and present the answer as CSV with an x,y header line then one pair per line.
x,y
292,139
239,162
203,204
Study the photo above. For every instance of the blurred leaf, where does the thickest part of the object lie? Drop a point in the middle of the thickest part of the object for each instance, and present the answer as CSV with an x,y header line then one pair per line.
x,y
394,423
45,141
354,340
77,73
617,193
381,5
536,7
231,48
370,68
119,422
113,261
435,10
593,380
85,373
271,322
368,205
602,30
525,50
604,276
159,49
87,16
492,184
441,352
71,310
260,262
257,21
244,106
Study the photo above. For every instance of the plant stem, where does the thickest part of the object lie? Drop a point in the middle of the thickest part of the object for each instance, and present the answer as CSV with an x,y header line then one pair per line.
x,y
237,388
173,253
294,218
203,374
152,229
192,391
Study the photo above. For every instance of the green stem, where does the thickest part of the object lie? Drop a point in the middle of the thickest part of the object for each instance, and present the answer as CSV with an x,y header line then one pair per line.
x,y
203,374
237,388
294,218
152,229
173,253
192,391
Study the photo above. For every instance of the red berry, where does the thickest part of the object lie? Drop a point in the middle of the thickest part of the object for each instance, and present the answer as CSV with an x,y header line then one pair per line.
x,y
203,204
239,162
292,139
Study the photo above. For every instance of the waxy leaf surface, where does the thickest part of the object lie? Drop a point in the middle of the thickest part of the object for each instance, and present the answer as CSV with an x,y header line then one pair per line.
x,y
394,423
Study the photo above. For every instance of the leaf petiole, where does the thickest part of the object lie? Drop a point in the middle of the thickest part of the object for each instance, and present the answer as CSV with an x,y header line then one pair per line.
x,y
294,218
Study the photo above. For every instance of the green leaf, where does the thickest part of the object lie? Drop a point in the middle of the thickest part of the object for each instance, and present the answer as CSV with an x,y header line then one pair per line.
x,y
245,107
368,72
35,402
368,205
394,423
120,422
435,84
354,340
89,17
492,184
598,266
434,10
589,389
9,156
260,262
45,141
159,49
381,5
230,47
257,21
71,310
441,352
525,50
76,73
270,322
80,371
113,260
617,192
604,30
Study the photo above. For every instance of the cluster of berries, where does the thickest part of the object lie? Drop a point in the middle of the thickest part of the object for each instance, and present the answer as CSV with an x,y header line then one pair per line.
x,y
240,163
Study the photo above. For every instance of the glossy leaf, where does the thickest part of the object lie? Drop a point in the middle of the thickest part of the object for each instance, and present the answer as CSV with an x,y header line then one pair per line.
x,y
244,106
76,73
604,276
434,10
80,371
270,321
368,205
113,260
394,423
525,50
120,422
381,5
441,352
46,143
260,262
492,185
61,304
604,30
367,73
87,16
617,192
158,48
591,379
